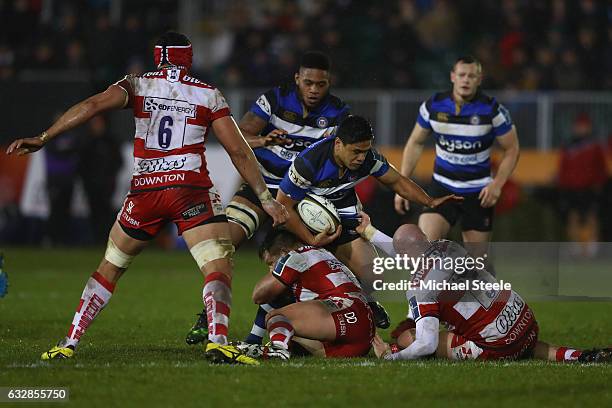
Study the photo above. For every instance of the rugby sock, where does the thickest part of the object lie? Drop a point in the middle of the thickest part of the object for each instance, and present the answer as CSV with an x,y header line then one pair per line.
x,y
95,297
567,354
217,295
258,331
281,331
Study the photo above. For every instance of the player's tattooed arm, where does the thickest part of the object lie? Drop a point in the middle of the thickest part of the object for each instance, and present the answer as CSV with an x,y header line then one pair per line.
x,y
112,98
245,162
252,125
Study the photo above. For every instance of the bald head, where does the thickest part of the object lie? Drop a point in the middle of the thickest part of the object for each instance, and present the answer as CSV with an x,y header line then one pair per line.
x,y
409,240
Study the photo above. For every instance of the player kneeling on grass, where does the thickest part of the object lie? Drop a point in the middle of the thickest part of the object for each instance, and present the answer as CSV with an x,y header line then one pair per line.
x,y
484,324
331,316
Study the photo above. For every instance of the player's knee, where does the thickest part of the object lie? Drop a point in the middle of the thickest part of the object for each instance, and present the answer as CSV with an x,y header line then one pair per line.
x,y
211,250
116,256
243,216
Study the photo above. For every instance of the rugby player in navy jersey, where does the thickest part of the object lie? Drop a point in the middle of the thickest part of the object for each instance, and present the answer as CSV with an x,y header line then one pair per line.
x,y
280,124
465,123
331,168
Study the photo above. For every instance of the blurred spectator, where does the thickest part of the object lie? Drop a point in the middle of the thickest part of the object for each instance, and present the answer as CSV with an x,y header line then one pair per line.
x,y
7,62
568,72
582,174
99,163
61,158
560,44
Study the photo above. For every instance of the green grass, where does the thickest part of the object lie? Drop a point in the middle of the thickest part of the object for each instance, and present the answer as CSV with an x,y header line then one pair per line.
x,y
134,354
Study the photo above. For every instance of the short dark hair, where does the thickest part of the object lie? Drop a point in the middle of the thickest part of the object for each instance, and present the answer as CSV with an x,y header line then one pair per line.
x,y
172,38
276,240
468,59
316,60
355,129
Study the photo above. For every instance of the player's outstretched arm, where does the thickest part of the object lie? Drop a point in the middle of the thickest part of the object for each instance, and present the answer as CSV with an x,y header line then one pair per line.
x,y
370,233
244,160
251,127
409,190
410,157
425,342
114,97
510,145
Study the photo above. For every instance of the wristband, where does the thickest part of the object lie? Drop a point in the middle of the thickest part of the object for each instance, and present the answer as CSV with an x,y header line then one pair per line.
x,y
44,137
265,196
369,232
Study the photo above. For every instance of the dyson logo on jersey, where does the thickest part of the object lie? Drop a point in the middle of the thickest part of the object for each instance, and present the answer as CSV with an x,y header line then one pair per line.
x,y
299,144
144,166
152,104
453,145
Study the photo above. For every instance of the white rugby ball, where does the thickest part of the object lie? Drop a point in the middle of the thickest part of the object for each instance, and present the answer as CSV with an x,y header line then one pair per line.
x,y
318,213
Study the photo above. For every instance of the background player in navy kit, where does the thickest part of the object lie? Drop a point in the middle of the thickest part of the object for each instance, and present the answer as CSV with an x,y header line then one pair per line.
x,y
331,168
282,123
465,123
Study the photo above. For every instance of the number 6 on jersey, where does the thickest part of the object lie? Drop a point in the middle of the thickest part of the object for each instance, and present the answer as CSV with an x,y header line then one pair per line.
x,y
166,129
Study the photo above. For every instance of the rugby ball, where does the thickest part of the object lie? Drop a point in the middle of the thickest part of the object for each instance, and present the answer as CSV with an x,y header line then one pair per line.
x,y
318,214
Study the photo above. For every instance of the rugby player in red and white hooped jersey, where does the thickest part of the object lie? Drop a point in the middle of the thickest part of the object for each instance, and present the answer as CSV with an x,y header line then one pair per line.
x,y
482,324
173,114
330,317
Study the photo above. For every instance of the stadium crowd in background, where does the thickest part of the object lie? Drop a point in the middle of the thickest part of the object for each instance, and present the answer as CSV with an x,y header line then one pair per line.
x,y
524,45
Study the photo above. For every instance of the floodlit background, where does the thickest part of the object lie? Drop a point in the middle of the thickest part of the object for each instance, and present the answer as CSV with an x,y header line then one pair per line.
x,y
549,62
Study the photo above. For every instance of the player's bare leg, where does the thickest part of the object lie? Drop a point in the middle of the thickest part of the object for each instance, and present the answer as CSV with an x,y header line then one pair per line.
x,y
359,256
434,226
212,249
309,320
477,244
120,251
548,352
241,227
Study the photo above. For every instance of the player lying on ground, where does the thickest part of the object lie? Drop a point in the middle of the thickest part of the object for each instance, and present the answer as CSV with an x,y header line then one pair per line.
x,y
281,123
170,184
330,316
482,324
331,168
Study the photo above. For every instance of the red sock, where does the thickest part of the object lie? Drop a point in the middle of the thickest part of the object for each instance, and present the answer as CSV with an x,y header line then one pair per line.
x,y
95,297
281,331
217,294
567,354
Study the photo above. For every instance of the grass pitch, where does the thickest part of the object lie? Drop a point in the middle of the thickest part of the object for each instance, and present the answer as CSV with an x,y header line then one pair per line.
x,y
135,355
